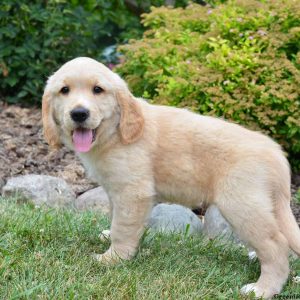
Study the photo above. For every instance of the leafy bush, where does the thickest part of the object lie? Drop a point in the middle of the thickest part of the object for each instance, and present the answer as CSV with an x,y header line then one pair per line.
x,y
239,60
38,36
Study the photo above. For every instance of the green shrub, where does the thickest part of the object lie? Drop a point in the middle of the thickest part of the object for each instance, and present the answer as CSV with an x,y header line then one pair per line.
x,y
36,37
239,60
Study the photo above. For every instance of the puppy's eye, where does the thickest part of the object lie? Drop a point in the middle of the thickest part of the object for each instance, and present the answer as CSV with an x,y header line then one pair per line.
x,y
65,90
97,90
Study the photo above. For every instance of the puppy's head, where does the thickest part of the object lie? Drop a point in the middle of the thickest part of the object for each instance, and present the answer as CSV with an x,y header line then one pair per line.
x,y
84,102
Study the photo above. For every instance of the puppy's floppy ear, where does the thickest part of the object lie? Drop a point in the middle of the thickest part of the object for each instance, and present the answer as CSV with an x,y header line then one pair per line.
x,y
51,131
132,120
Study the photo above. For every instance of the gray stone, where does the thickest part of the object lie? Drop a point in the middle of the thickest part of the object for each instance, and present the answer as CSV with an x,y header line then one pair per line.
x,y
215,225
40,190
169,218
94,199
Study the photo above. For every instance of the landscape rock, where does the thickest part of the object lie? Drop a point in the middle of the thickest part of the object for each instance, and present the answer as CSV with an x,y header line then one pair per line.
x,y
40,190
94,199
216,226
173,218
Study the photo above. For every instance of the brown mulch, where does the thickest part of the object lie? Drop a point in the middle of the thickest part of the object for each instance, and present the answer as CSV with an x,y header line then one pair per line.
x,y
24,151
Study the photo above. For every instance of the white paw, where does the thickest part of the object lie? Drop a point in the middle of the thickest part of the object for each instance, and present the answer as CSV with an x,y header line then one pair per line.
x,y
248,288
104,235
252,255
264,293
296,279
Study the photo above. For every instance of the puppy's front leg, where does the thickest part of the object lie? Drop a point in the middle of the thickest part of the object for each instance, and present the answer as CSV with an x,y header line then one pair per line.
x,y
130,213
105,234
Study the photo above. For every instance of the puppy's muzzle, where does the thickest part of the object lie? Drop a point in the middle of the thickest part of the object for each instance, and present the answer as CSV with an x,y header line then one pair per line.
x,y
79,114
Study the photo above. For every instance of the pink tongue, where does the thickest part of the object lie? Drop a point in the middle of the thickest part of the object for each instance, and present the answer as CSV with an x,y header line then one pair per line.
x,y
82,139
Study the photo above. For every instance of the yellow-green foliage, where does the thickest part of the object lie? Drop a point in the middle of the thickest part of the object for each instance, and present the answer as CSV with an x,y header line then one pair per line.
x,y
239,60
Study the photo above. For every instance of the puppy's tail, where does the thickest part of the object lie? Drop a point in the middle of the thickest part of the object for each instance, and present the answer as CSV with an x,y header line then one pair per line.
x,y
287,223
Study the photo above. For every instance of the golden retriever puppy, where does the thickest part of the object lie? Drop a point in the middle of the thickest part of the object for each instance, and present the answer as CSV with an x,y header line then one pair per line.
x,y
140,152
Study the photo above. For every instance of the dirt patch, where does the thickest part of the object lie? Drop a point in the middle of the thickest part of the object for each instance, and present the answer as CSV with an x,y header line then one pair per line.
x,y
24,151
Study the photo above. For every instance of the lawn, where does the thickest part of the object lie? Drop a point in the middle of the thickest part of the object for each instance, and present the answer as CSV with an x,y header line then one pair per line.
x,y
45,254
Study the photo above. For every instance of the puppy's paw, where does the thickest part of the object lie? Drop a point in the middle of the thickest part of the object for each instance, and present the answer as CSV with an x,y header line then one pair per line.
x,y
104,235
259,293
252,255
296,279
248,288
107,258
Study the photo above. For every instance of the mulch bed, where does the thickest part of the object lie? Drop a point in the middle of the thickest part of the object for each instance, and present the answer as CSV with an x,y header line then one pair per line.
x,y
24,151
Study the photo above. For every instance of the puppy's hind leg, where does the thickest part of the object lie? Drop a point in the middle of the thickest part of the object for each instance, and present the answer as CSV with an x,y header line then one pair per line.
x,y
250,213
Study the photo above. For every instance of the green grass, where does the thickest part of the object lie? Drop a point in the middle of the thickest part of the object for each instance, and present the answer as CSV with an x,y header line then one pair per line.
x,y
45,254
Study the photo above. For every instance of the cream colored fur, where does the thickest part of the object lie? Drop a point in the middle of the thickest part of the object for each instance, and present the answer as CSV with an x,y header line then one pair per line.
x,y
144,152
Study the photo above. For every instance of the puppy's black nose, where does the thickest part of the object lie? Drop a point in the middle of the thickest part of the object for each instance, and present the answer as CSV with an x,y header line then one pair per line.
x,y
79,114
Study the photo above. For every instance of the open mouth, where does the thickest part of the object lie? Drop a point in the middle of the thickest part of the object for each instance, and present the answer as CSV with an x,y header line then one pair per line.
x,y
83,138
